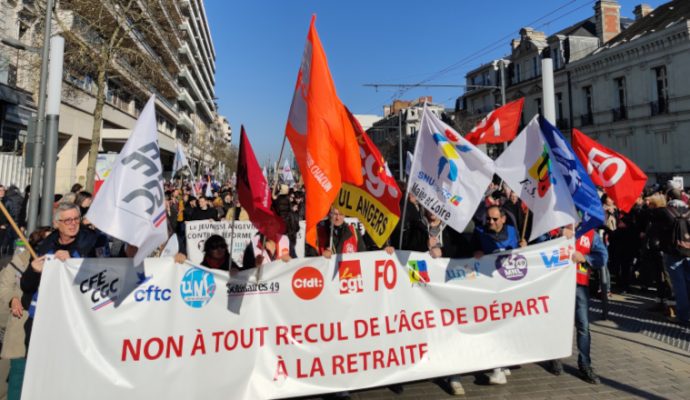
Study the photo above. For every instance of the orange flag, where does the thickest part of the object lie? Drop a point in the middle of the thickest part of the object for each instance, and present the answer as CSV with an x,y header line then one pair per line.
x,y
321,135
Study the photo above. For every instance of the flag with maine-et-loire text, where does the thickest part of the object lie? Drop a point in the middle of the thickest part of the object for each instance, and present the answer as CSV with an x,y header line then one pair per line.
x,y
449,175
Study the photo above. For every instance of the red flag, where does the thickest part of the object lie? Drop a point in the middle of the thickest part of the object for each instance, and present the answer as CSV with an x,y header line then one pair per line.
x,y
253,197
376,202
621,179
500,125
321,135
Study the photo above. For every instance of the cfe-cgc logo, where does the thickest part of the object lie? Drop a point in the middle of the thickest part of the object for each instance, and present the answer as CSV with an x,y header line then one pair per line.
x,y
197,287
512,266
418,272
104,290
307,283
350,275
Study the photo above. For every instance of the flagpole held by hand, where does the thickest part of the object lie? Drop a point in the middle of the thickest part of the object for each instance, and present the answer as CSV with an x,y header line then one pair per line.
x,y
17,230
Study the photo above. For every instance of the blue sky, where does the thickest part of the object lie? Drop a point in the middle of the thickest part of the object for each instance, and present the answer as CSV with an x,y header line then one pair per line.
x,y
259,45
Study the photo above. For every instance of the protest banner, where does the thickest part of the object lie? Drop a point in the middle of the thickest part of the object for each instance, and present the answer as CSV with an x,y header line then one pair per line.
x,y
197,232
309,326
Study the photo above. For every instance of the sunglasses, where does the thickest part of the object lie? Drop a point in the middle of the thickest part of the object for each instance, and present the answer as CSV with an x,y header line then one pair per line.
x,y
492,219
70,221
218,247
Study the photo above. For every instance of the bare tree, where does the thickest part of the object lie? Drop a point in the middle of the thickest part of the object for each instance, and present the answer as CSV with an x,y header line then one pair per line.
x,y
123,41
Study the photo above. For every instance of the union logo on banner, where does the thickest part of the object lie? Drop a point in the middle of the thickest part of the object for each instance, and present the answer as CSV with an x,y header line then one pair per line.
x,y
418,272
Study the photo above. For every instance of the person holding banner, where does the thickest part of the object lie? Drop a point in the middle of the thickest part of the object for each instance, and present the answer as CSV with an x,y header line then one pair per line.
x,y
68,241
336,237
494,237
216,254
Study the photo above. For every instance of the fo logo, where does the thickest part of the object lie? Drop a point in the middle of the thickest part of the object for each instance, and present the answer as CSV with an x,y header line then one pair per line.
x,y
197,287
350,274
307,283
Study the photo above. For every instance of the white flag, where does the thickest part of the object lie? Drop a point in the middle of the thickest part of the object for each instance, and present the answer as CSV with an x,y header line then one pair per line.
x,y
180,161
408,163
526,167
449,175
286,174
131,205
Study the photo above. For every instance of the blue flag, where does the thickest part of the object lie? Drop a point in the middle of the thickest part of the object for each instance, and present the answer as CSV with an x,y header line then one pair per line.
x,y
582,189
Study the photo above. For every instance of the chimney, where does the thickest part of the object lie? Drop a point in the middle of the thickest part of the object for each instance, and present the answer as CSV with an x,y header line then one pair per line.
x,y
642,11
608,19
514,43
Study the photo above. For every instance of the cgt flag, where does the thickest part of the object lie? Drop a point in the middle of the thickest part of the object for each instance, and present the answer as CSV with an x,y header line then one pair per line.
x,y
321,135
449,175
527,167
131,205
621,179
255,197
582,190
376,202
500,125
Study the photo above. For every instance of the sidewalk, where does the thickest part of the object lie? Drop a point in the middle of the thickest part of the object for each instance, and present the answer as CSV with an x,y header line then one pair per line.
x,y
636,353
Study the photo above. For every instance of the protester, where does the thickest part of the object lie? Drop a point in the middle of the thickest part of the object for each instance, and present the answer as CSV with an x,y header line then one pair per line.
x,y
13,318
204,211
216,254
590,252
262,250
67,241
335,236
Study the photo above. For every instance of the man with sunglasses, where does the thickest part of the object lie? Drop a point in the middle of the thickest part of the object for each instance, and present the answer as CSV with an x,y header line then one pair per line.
x,y
494,237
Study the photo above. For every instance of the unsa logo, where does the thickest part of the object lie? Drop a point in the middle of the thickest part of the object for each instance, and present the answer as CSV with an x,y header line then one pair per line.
x,y
307,283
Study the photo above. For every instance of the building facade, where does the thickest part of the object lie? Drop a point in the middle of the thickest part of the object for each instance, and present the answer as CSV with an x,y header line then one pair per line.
x,y
173,36
618,80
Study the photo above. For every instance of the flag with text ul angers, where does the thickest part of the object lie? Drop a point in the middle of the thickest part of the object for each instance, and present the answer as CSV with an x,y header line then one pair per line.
x,y
500,125
131,204
321,135
527,167
582,190
449,175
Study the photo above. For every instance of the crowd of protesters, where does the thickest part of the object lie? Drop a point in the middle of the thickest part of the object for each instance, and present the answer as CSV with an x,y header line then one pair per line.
x,y
636,250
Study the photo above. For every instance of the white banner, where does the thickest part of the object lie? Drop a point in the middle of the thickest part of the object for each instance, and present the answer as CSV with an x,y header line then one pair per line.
x,y
197,232
309,326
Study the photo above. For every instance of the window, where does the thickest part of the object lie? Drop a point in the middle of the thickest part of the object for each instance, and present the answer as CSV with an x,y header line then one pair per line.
x,y
12,75
619,112
660,105
587,92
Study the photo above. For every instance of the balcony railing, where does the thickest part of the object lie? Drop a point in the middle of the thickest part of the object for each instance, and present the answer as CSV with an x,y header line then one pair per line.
x,y
586,119
619,113
659,107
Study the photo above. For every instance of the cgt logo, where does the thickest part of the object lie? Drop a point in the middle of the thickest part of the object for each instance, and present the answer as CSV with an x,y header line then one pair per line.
x,y
307,283
350,275
418,272
558,257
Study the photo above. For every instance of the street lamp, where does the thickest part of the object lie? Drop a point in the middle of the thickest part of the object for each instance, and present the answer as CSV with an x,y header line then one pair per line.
x,y
40,123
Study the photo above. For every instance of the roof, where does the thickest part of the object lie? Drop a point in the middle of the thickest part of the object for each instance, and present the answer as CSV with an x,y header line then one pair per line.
x,y
586,27
661,18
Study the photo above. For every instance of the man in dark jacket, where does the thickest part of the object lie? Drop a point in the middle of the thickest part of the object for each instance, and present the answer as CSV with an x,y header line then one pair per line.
x,y
204,211
67,241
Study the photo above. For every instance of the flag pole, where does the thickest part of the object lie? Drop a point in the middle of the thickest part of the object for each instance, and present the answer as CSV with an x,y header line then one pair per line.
x,y
409,180
280,156
524,225
17,230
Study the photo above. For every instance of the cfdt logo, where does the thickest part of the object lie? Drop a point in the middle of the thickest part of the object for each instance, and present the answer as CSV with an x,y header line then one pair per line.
x,y
350,275
512,266
418,272
558,257
197,287
103,290
307,283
